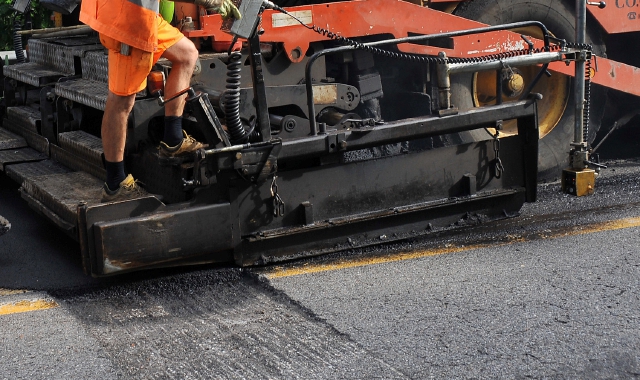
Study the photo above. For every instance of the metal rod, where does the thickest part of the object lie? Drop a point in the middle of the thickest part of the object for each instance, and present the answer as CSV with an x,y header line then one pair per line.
x,y
259,87
495,28
579,156
64,33
522,60
615,126
313,130
581,21
444,83
535,81
51,30
235,148
404,130
395,131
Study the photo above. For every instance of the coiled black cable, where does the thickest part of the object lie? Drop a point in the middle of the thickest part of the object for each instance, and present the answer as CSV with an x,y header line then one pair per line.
x,y
17,42
232,99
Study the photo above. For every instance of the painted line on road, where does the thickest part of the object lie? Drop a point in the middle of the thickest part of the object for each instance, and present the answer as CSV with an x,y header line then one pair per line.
x,y
10,292
451,248
24,306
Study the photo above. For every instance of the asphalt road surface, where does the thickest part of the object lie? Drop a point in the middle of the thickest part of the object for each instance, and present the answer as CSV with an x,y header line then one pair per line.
x,y
553,293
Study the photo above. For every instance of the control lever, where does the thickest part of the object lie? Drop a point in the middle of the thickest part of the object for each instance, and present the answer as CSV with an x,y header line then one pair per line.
x,y
162,101
208,121
600,4
597,165
204,113
529,42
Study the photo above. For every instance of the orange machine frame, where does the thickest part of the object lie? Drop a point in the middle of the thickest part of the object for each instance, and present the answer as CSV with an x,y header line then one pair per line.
x,y
373,17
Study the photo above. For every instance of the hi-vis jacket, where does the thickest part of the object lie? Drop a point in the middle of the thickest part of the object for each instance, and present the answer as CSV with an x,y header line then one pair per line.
x,y
132,22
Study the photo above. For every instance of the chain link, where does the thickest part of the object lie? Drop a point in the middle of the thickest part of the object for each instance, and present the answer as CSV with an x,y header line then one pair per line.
x,y
499,168
278,203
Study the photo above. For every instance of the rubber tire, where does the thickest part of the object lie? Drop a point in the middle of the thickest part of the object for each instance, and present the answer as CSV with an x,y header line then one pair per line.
x,y
559,18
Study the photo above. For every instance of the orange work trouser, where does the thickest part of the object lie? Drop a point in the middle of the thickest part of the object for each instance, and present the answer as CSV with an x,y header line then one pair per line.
x,y
128,73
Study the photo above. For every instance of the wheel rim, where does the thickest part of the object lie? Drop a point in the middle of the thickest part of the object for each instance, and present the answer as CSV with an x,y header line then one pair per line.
x,y
555,91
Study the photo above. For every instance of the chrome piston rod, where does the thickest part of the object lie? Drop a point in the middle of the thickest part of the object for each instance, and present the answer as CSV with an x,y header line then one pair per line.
x,y
522,60
446,69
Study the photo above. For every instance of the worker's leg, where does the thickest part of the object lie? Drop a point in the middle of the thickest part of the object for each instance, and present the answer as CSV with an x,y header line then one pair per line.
x,y
114,135
118,186
127,76
114,125
183,55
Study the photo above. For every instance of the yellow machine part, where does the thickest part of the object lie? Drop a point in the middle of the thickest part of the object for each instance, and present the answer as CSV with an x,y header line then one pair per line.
x,y
578,182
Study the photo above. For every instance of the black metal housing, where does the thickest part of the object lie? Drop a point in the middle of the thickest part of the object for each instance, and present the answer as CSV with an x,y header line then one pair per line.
x,y
330,202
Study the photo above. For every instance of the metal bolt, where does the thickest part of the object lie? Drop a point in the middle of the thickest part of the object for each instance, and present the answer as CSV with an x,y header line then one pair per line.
x,y
238,156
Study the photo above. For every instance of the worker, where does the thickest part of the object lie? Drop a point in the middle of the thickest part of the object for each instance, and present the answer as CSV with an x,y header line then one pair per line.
x,y
136,36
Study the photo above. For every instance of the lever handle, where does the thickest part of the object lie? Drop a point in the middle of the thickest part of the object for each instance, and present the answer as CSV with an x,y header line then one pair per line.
x,y
600,4
597,165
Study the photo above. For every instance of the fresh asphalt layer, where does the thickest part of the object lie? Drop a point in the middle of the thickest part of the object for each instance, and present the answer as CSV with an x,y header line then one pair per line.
x,y
544,308
553,293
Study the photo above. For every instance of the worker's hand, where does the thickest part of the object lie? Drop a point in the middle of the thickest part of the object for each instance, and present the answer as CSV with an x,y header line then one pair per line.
x,y
224,8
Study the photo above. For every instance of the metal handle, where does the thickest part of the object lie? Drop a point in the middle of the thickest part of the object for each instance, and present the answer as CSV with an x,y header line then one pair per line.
x,y
600,4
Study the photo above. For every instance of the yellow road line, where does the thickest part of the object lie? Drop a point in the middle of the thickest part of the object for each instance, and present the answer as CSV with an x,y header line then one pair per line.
x,y
605,226
24,306
9,292
353,263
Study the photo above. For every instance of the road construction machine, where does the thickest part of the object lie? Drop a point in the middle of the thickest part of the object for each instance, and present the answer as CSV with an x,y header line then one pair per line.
x,y
330,125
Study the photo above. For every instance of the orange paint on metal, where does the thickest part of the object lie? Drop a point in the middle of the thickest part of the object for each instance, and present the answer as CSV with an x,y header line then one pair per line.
x,y
24,306
369,18
619,16
373,17
607,73
619,76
